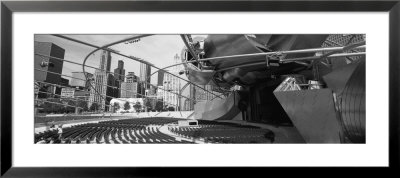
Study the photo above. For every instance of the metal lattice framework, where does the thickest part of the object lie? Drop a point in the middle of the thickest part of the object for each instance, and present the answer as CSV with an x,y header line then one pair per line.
x,y
344,40
104,96
349,46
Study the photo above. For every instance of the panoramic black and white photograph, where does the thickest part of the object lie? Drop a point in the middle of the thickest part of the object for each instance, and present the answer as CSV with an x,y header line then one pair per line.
x,y
199,88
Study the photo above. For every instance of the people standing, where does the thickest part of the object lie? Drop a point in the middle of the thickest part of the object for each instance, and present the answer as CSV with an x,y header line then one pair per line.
x,y
47,126
60,131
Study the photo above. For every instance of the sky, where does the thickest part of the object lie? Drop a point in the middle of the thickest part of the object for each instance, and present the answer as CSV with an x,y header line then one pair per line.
x,y
157,49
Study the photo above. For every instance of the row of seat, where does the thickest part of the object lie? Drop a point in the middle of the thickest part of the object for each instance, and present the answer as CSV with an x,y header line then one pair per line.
x,y
145,130
219,132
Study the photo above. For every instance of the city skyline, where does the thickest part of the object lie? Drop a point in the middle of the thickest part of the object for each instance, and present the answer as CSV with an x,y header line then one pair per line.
x,y
159,50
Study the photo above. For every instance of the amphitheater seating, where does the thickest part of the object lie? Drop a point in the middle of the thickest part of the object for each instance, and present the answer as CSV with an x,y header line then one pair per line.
x,y
218,132
146,130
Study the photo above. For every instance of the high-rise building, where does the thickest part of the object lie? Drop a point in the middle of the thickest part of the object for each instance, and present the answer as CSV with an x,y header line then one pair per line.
x,y
64,82
48,73
105,61
101,79
188,103
129,90
171,87
112,90
145,72
48,69
177,59
119,72
160,78
79,80
131,87
131,77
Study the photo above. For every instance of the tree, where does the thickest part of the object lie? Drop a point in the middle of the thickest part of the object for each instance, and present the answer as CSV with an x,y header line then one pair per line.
x,y
116,106
55,105
148,104
137,106
94,107
43,91
171,108
46,107
71,104
159,106
83,104
127,106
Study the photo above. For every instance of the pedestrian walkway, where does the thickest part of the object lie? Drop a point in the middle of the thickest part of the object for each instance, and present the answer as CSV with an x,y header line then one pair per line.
x,y
283,134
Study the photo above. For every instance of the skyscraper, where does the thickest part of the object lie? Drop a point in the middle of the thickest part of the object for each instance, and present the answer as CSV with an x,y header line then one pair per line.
x,y
48,73
98,95
145,71
130,88
131,77
119,72
160,78
79,80
172,85
177,59
105,61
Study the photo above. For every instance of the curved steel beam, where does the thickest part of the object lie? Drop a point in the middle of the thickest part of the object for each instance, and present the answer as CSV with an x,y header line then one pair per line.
x,y
95,90
180,92
130,57
282,52
105,46
189,47
163,69
255,63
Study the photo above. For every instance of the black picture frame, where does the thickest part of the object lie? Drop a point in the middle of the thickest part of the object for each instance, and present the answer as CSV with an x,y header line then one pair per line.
x,y
9,7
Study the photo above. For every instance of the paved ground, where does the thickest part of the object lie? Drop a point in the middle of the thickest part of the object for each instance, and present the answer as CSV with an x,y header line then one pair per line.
x,y
283,134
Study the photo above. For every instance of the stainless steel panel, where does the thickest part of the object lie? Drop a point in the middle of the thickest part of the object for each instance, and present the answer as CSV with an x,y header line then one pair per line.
x,y
352,106
337,79
312,113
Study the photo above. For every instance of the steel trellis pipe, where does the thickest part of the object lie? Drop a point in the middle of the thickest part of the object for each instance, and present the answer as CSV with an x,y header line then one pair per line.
x,y
94,82
163,69
318,57
130,57
57,103
56,85
331,49
107,50
101,70
101,83
189,47
74,99
292,60
105,46
282,52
